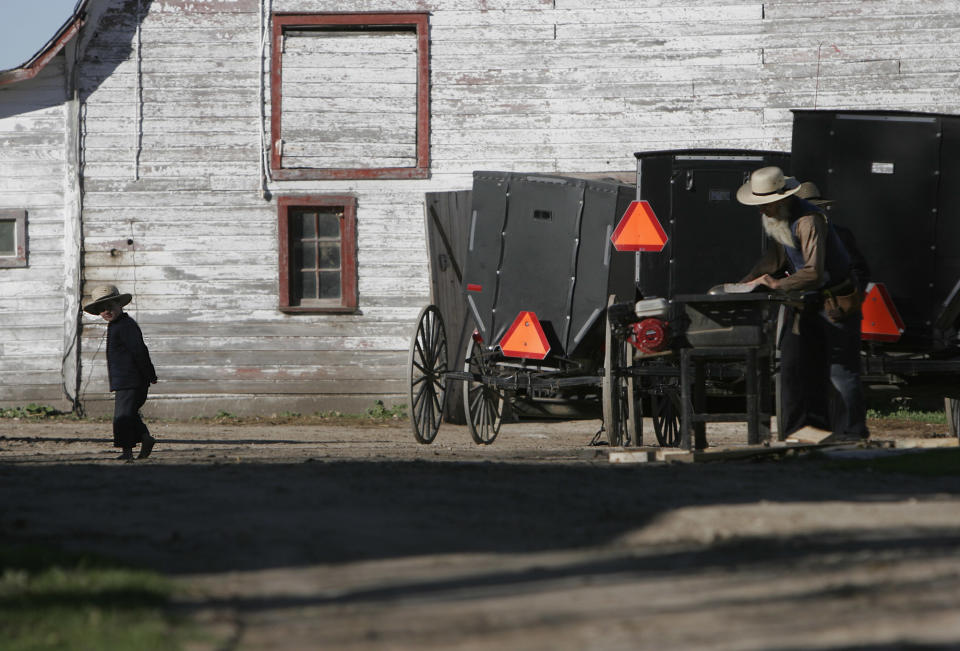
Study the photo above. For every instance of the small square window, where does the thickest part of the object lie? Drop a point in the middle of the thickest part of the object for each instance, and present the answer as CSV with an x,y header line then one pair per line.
x,y
317,254
13,238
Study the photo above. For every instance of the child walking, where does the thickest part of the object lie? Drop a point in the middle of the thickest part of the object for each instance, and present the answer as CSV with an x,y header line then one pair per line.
x,y
129,368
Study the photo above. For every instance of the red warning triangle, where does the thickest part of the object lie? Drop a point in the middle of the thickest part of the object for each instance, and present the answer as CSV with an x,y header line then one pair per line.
x,y
639,230
525,338
881,321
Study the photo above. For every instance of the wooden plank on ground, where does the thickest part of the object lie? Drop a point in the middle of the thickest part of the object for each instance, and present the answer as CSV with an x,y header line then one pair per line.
x,y
926,443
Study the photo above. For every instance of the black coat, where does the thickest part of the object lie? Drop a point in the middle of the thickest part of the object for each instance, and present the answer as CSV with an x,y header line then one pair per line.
x,y
128,360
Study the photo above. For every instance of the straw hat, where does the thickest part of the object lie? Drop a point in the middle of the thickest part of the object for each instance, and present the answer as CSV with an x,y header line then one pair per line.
x,y
104,294
809,191
766,185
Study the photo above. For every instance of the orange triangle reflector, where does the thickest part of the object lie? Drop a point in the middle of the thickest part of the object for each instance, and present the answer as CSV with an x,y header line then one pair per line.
x,y
525,338
881,321
639,230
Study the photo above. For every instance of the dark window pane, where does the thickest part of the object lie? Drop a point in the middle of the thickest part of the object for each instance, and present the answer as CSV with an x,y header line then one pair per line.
x,y
329,284
296,289
307,225
329,257
296,225
308,259
308,284
8,237
329,224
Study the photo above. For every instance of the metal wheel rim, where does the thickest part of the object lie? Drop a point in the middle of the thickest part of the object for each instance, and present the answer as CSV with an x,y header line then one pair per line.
x,y
665,410
622,417
427,366
483,404
610,394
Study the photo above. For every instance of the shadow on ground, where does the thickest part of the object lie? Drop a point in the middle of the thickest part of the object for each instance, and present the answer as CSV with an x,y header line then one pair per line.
x,y
250,516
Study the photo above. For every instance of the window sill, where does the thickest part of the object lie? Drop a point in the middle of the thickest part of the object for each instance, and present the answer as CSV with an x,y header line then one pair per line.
x,y
297,309
285,174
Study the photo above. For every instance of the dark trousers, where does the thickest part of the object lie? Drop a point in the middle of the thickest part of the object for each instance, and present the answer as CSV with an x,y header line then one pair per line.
x,y
849,412
804,371
128,428
816,354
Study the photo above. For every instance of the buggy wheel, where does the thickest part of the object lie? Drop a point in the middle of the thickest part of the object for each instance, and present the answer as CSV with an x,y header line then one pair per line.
x,y
665,412
482,403
622,411
952,409
428,364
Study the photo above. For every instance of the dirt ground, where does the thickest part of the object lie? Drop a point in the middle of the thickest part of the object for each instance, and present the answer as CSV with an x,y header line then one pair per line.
x,y
349,535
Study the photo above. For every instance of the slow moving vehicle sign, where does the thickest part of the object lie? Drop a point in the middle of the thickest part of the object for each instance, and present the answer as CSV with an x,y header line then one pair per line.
x,y
525,338
639,230
881,321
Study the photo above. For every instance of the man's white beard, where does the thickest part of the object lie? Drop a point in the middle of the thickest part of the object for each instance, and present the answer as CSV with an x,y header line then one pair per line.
x,y
779,227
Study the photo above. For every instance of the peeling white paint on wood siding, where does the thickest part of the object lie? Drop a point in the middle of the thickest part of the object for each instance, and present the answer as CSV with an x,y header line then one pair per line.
x,y
32,172
528,85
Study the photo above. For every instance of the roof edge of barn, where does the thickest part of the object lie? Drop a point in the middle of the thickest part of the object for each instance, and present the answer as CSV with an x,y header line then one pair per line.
x,y
32,67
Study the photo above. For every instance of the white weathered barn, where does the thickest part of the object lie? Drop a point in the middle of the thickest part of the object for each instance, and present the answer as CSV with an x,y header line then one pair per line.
x,y
254,171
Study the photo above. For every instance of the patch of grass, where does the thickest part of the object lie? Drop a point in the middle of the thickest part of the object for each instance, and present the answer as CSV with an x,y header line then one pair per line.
x,y
909,415
907,410
926,463
53,600
32,411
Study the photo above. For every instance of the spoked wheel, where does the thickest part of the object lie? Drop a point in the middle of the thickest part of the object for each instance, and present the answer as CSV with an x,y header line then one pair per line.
x,y
428,364
482,403
622,412
665,412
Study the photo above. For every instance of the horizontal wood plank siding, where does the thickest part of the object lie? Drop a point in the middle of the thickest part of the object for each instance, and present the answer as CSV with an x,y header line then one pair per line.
x,y
173,145
32,154
349,99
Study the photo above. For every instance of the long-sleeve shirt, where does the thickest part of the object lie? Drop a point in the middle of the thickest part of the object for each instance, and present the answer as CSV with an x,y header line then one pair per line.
x,y
812,233
128,360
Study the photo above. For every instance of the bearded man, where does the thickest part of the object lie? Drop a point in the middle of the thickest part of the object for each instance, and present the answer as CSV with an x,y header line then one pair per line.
x,y
806,259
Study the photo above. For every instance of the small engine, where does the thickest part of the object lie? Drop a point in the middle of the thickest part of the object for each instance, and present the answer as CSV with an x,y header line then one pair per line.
x,y
649,335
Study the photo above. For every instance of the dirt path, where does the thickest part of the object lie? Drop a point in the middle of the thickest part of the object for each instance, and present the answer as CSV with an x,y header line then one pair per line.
x,y
350,536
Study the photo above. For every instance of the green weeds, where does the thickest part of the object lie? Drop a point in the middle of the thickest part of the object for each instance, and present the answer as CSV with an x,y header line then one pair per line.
x,y
53,600
32,411
381,412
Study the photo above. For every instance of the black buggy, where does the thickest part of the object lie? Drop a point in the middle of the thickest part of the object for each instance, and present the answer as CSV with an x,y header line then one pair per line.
x,y
622,331
539,270
533,253
893,176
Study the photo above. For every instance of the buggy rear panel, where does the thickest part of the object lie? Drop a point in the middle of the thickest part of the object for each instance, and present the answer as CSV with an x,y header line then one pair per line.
x,y
893,176
712,238
541,243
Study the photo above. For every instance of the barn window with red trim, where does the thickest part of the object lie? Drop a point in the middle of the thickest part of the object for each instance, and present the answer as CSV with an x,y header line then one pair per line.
x,y
318,254
350,96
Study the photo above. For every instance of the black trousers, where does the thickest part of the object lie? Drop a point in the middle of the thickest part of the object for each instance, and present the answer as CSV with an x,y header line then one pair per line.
x,y
128,428
849,409
815,355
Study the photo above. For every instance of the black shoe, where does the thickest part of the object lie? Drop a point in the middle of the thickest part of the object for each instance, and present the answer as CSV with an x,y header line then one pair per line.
x,y
841,438
146,446
126,455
